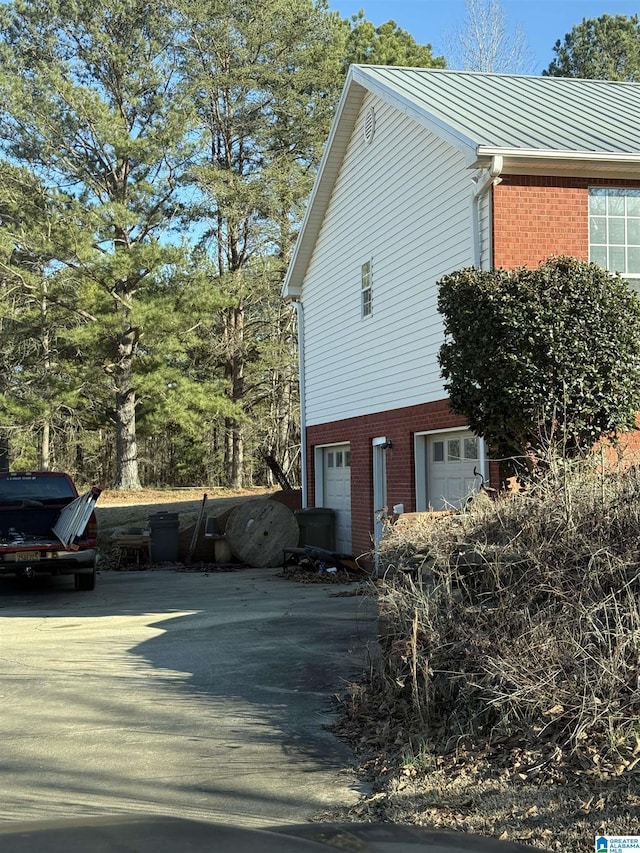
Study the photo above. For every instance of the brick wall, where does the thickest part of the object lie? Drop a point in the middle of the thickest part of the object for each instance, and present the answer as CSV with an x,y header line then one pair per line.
x,y
533,217
399,426
536,216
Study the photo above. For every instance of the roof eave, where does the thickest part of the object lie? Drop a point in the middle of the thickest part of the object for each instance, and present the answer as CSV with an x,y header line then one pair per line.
x,y
328,170
420,114
518,161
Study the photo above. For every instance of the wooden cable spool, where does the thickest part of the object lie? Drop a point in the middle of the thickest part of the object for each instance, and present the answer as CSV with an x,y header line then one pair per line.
x,y
259,530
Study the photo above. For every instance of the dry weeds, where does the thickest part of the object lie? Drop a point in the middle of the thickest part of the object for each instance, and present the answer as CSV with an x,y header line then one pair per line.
x,y
507,697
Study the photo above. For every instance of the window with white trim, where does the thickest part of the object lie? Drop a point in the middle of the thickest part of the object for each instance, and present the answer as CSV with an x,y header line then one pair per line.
x,y
366,290
614,231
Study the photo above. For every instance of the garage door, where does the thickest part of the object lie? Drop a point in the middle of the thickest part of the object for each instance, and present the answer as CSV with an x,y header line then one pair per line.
x,y
337,491
451,460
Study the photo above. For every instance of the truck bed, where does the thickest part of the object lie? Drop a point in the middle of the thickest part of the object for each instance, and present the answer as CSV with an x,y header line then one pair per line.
x,y
28,526
46,527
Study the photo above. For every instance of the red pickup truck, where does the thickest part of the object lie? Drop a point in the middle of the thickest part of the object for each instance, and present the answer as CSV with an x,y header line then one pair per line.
x,y
47,528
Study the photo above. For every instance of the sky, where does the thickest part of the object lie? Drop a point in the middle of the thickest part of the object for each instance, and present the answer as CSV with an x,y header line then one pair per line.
x,y
543,21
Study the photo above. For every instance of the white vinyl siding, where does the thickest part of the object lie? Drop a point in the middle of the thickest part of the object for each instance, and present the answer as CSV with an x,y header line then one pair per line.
x,y
405,200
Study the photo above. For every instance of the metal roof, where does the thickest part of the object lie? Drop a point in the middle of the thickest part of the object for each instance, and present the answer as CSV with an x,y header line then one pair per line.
x,y
527,124
517,112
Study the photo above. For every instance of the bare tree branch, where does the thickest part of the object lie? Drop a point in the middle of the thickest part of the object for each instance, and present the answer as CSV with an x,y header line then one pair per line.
x,y
484,41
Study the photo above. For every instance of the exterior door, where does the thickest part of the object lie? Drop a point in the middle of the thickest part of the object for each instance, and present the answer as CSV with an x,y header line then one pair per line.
x,y
452,459
337,491
379,488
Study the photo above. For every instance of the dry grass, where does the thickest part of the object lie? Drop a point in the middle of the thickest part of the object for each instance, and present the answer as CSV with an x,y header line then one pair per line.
x,y
117,509
467,798
511,664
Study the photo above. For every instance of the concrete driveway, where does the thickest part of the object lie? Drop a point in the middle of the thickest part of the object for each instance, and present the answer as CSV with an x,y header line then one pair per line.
x,y
185,694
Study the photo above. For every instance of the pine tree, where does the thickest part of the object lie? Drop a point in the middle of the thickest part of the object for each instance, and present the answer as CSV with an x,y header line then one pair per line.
x,y
91,103
264,80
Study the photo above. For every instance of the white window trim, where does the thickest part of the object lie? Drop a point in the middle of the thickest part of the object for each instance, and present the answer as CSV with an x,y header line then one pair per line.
x,y
366,290
632,278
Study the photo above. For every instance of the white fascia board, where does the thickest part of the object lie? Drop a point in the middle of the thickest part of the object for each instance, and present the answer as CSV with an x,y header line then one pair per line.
x,y
557,154
550,157
332,157
420,115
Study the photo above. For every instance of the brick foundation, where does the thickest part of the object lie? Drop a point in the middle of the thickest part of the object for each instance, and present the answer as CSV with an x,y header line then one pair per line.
x,y
399,426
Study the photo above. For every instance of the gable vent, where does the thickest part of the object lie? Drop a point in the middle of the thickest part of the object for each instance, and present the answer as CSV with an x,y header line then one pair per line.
x,y
369,127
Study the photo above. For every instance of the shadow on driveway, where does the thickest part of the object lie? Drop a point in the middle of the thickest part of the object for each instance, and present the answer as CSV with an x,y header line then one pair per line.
x,y
177,693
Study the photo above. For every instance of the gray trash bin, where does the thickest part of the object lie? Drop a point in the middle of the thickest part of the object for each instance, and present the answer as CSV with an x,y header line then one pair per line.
x,y
317,527
164,539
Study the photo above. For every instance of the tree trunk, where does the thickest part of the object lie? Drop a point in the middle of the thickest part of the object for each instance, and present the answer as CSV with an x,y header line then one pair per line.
x,y
283,429
127,477
288,433
45,449
79,461
4,452
234,453
234,374
237,459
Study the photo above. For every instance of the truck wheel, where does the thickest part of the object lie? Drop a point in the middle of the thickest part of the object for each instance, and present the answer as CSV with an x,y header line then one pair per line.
x,y
84,583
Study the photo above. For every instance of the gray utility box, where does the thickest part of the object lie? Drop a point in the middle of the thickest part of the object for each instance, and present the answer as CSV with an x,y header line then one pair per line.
x,y
164,539
317,527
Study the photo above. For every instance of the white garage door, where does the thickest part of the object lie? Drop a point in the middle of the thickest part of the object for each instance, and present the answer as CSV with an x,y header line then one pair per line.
x,y
337,491
452,458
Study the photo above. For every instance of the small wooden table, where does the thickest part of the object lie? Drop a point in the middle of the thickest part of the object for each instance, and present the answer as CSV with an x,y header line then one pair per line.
x,y
132,544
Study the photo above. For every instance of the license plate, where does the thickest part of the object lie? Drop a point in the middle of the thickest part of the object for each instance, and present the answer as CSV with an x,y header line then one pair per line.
x,y
27,556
